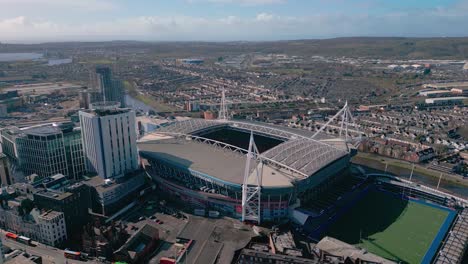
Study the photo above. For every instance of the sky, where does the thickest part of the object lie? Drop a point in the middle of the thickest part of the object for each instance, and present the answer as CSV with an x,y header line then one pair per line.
x,y
32,21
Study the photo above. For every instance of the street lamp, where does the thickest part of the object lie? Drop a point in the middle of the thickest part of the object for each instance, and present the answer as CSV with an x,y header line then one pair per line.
x,y
440,178
411,175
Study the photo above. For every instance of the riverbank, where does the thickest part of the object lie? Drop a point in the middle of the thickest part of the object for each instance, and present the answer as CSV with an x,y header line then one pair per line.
x,y
399,167
148,100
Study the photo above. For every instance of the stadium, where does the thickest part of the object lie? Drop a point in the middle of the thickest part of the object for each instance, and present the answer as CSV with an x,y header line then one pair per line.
x,y
265,173
203,162
304,176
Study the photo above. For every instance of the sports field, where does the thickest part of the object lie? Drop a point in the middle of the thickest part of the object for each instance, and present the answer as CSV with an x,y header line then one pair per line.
x,y
390,227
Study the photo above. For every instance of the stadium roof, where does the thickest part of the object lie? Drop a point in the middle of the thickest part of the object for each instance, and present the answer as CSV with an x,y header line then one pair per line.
x,y
196,125
226,165
298,157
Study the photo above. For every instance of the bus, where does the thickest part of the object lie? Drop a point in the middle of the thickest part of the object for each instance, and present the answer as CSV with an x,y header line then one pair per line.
x,y
72,254
24,240
11,236
167,261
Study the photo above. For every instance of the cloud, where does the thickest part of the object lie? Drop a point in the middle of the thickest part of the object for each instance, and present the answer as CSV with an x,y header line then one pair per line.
x,y
262,26
67,5
264,17
240,2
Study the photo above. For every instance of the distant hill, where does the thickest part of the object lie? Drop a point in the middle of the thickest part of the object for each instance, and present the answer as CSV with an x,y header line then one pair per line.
x,y
409,48
375,47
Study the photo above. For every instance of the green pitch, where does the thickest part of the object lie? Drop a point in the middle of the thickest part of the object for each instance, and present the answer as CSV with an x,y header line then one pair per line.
x,y
390,227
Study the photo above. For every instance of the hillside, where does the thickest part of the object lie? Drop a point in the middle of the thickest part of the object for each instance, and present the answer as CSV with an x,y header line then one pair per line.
x,y
375,47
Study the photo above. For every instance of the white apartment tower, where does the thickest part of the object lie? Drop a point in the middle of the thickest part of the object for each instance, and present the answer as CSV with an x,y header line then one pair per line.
x,y
109,140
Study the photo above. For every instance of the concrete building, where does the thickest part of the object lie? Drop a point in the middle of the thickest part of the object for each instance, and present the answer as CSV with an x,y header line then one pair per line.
x,y
109,196
338,251
12,220
208,115
19,256
10,100
251,256
2,258
53,228
463,91
47,227
109,141
5,176
139,246
446,100
3,110
68,203
84,99
435,93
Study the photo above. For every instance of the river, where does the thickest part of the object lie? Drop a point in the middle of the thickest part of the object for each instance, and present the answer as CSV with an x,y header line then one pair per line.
x,y
19,56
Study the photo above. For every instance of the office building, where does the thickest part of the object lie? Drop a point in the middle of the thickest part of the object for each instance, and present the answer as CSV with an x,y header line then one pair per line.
x,y
41,151
112,89
118,92
74,151
104,79
109,140
47,150
8,139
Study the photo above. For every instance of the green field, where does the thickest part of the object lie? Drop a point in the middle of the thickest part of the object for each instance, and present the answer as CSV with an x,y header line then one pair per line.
x,y
390,227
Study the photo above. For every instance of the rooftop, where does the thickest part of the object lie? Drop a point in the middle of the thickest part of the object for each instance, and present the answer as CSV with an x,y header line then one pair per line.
x,y
54,194
225,165
108,112
49,215
299,153
103,185
339,248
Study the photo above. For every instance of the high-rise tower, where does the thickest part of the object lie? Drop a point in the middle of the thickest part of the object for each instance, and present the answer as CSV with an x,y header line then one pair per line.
x,y
109,140
112,89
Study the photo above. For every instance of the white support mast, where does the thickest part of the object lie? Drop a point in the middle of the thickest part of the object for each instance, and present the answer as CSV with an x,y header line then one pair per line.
x,y
223,113
251,190
345,118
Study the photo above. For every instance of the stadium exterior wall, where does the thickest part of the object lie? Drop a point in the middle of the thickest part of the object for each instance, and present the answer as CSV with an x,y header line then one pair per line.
x,y
183,183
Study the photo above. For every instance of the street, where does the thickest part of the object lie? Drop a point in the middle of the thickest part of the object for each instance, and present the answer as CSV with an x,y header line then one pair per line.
x,y
49,254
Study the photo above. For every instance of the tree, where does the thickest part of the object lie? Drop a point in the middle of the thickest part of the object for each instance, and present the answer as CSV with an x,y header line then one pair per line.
x,y
27,205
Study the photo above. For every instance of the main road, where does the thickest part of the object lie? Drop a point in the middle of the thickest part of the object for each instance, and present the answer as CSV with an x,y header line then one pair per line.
x,y
48,254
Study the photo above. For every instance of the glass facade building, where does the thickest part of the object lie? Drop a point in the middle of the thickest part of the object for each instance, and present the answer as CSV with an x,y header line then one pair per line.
x,y
50,149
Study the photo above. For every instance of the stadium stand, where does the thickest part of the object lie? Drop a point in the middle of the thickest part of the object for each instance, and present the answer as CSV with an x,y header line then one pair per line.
x,y
326,206
456,242
404,189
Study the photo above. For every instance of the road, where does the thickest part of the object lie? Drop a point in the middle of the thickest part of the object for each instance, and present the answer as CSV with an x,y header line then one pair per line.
x,y
49,254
